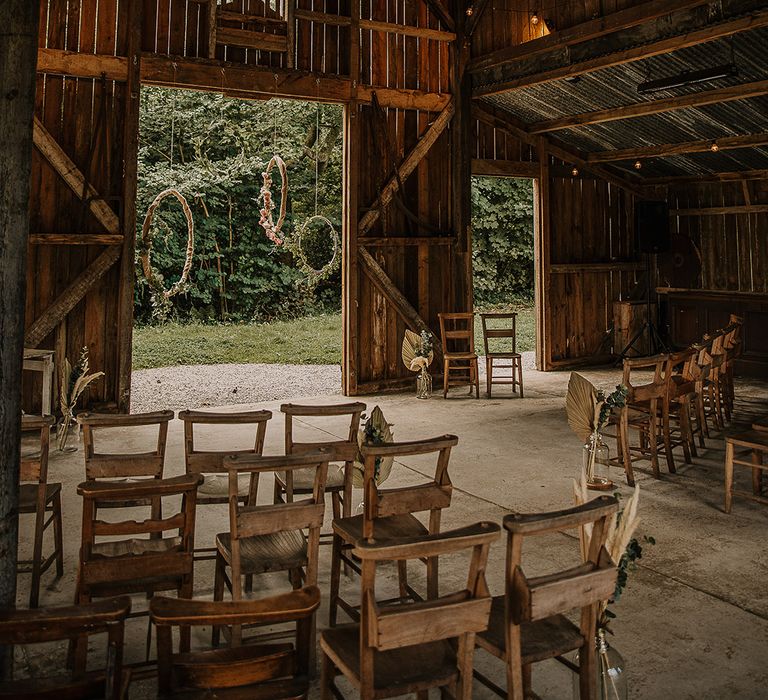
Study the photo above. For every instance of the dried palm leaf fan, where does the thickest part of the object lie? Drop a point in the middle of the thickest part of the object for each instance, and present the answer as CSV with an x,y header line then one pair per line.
x,y
378,432
413,352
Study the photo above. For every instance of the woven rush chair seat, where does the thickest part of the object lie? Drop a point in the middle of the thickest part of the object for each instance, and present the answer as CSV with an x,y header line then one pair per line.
x,y
390,527
217,486
537,637
276,551
304,479
396,670
135,547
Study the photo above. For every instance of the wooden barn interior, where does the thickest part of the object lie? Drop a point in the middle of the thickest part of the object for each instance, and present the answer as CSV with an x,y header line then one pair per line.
x,y
603,103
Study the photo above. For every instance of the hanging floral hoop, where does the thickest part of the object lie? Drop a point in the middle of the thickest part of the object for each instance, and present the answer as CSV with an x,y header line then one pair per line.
x,y
298,250
156,281
266,220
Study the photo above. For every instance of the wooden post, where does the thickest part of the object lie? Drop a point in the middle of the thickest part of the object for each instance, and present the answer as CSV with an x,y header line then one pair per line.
x,y
18,58
543,261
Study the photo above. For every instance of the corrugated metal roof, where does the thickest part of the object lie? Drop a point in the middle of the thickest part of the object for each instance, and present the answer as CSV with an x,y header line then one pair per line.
x,y
617,86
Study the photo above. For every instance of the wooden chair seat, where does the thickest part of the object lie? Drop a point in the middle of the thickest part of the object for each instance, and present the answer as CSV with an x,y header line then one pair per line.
x,y
540,639
396,671
390,527
216,486
276,551
304,479
460,356
28,496
505,355
135,547
288,689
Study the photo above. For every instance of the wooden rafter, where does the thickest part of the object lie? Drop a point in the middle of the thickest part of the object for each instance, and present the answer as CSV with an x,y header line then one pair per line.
x,y
642,109
718,211
694,26
733,176
395,297
406,168
674,149
70,173
443,13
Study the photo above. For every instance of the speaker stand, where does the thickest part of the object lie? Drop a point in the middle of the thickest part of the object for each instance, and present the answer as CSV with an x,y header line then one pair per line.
x,y
656,343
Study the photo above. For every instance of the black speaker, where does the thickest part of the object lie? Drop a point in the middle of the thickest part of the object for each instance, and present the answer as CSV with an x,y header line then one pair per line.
x,y
652,226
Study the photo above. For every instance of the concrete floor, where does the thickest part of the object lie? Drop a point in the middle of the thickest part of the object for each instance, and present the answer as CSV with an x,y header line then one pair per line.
x,y
693,622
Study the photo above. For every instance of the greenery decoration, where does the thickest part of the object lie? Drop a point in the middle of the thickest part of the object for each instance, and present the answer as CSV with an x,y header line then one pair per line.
x,y
375,431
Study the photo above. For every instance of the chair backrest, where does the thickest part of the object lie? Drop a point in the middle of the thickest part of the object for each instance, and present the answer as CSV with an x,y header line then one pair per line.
x,y
457,332
460,612
101,465
560,592
681,370
252,519
227,668
45,625
509,330
142,552
346,448
431,496
657,388
34,465
207,461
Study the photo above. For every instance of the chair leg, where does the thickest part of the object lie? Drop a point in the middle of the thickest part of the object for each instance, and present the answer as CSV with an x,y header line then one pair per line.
x,y
327,674
476,378
728,476
488,374
686,436
704,426
218,594
653,439
665,428
446,366
333,602
515,685
58,535
37,555
519,363
402,578
623,439
757,473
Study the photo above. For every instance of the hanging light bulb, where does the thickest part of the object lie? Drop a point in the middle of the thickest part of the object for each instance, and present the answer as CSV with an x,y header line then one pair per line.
x,y
714,147
575,172
535,18
638,165
470,11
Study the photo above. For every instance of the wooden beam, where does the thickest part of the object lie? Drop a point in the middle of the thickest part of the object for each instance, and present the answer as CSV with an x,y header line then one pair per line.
x,y
64,166
406,30
384,241
401,98
643,109
396,298
406,168
674,149
18,54
578,268
505,168
70,297
81,65
75,238
261,41
694,26
443,14
717,211
616,21
290,34
477,7
733,176
212,28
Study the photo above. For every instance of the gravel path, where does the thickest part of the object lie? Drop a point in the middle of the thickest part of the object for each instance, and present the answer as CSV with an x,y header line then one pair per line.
x,y
196,386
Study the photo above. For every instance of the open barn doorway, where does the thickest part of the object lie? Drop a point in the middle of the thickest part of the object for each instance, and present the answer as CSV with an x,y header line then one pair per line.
x,y
257,313
503,254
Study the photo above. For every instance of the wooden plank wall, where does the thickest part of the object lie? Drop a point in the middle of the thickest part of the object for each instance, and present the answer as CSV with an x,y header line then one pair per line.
x,y
69,109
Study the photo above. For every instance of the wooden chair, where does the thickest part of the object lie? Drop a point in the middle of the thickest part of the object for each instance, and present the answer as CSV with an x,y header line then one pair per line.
x,y
132,466
457,334
268,538
732,347
389,514
528,623
491,357
752,446
260,671
711,362
412,647
132,563
685,399
41,499
214,489
57,624
339,481
644,406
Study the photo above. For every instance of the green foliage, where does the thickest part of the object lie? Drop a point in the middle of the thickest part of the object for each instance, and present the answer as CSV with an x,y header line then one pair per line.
x,y
502,240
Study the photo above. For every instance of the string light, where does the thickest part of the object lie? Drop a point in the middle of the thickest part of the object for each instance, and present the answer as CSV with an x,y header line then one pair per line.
x,y
535,18
575,172
638,165
714,147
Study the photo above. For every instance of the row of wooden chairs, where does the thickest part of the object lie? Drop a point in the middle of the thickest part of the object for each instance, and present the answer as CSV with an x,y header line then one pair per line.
x,y
686,394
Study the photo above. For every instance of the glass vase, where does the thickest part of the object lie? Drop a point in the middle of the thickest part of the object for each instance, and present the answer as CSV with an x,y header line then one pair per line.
x,y
595,456
423,384
610,669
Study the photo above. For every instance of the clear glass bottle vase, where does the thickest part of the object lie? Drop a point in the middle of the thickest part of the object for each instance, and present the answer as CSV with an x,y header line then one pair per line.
x,y
611,679
423,384
595,458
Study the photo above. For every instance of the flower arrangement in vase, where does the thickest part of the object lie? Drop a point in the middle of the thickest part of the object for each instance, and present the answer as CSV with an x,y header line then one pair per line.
x,y
417,355
75,381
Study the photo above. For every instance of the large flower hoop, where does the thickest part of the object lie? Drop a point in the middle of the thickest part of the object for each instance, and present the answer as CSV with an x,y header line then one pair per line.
x,y
298,250
266,220
155,281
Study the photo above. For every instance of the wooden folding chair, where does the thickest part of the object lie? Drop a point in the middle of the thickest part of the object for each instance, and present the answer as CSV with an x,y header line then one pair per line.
x,y
339,482
47,625
214,489
457,335
515,360
135,557
412,647
41,499
259,671
528,623
389,514
268,538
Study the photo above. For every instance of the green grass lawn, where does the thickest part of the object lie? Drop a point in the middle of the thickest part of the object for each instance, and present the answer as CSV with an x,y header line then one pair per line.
x,y
313,340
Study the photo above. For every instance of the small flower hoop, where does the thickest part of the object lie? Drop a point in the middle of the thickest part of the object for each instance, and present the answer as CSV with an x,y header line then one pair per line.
x,y
330,266
156,282
266,221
